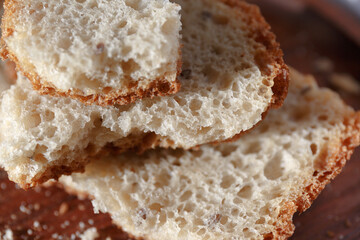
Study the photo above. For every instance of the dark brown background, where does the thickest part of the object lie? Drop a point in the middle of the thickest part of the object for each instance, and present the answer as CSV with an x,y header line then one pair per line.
x,y
312,44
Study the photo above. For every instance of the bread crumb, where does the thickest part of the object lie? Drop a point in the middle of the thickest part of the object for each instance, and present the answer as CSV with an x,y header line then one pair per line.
x,y
36,224
323,65
8,235
24,209
90,234
81,225
29,232
64,207
81,207
330,234
36,206
345,82
348,223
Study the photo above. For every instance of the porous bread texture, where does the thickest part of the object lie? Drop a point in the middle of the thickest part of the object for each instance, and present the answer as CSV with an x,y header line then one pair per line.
x,y
102,52
247,189
226,89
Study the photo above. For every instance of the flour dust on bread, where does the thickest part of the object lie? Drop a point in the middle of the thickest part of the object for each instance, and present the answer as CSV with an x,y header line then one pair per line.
x,y
102,52
226,89
248,189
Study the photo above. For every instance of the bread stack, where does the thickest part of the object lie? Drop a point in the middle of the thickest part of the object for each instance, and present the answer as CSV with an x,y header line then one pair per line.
x,y
147,107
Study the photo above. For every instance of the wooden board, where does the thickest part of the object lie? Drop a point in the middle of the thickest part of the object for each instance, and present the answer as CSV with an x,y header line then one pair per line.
x,y
312,45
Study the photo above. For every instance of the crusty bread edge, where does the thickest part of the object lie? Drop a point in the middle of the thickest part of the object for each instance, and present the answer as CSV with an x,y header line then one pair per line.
x,y
333,161
260,30
158,87
281,76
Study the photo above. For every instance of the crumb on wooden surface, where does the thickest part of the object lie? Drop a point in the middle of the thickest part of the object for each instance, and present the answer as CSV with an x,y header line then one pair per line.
x,y
345,82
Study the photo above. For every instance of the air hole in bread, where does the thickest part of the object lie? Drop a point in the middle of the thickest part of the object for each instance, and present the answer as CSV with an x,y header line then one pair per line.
x,y
189,207
211,74
245,192
168,26
181,101
195,105
34,121
201,232
260,221
50,132
273,169
287,145
235,87
181,222
185,196
226,103
134,4
226,82
323,117
227,181
129,66
247,106
267,83
301,113
219,19
49,115
156,207
253,147
216,102
217,50
59,10
227,150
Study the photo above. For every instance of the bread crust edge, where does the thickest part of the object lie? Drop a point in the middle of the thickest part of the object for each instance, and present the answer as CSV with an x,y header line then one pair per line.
x,y
331,166
158,87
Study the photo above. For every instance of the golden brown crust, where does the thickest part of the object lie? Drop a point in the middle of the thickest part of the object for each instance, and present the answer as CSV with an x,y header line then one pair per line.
x,y
331,161
158,87
271,61
260,30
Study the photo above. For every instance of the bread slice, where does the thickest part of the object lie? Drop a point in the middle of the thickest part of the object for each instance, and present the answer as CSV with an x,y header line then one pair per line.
x,y
226,89
102,52
247,189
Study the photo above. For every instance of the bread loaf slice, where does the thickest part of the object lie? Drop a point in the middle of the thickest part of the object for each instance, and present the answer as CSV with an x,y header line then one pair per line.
x,y
248,189
233,73
102,52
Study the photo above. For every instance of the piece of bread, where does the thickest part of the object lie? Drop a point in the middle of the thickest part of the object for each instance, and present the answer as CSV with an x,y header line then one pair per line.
x,y
247,189
102,52
233,73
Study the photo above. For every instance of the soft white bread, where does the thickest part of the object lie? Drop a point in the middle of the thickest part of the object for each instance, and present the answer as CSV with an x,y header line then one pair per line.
x,y
226,90
103,52
247,189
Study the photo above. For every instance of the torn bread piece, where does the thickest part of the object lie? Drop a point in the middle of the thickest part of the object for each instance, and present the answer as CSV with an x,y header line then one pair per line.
x,y
226,89
247,189
101,52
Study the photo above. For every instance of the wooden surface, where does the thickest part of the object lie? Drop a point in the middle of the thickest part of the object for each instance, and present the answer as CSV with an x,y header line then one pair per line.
x,y
312,45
